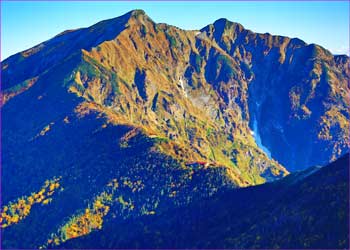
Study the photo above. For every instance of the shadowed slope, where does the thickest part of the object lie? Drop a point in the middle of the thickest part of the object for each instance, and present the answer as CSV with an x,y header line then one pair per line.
x,y
302,210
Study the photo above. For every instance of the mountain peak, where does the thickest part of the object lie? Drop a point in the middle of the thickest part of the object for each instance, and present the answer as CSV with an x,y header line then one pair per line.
x,y
221,20
137,12
135,118
138,16
222,26
225,24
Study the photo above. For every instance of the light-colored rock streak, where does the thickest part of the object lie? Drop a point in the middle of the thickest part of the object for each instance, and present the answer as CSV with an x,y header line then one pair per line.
x,y
258,138
182,86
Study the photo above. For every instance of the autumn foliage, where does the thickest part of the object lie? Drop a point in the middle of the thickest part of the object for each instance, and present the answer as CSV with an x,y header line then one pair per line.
x,y
17,210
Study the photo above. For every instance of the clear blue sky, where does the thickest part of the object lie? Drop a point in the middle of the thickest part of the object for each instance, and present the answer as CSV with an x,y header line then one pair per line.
x,y
25,24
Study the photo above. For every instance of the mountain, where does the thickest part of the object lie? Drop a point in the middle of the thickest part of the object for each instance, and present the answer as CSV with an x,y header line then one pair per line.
x,y
128,117
294,217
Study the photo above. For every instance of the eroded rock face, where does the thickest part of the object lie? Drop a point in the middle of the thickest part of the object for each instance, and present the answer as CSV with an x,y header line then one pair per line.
x,y
302,107
298,94
175,84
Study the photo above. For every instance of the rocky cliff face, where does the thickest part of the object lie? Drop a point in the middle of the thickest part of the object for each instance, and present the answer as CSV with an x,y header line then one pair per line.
x,y
171,83
298,94
202,88
179,113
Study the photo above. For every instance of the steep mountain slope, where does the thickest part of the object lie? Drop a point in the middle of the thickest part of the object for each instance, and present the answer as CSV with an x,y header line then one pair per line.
x,y
298,94
90,161
307,209
202,89
137,79
128,117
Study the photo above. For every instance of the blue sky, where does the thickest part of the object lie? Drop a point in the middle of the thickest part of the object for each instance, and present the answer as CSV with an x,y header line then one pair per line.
x,y
25,24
